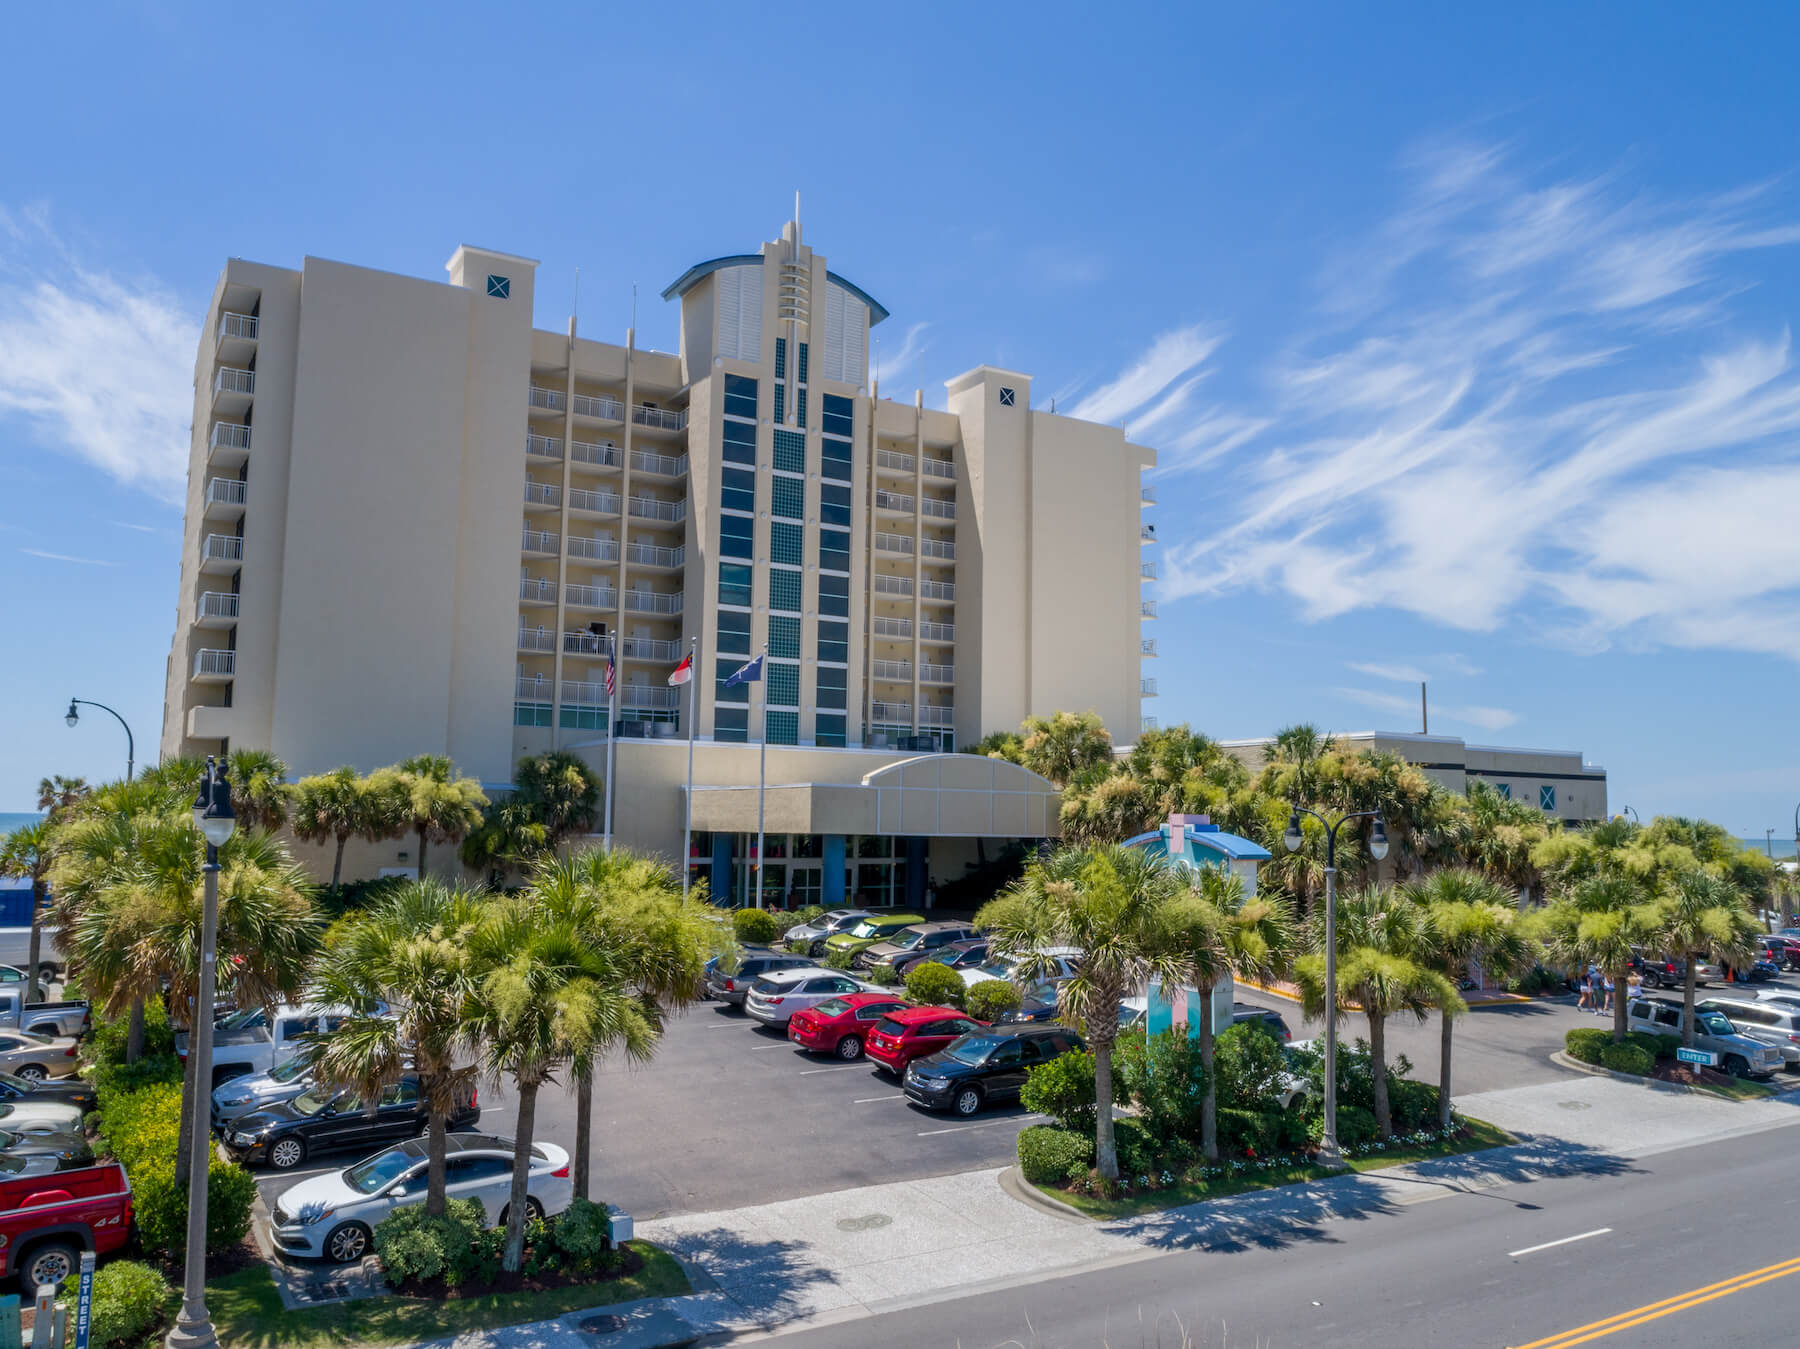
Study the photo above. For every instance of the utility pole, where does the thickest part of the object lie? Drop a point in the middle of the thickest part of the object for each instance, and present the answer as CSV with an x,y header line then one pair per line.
x,y
1424,714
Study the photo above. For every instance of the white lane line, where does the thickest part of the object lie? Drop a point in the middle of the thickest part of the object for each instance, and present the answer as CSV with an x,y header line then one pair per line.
x,y
1597,1232
776,1044
963,1128
870,1100
845,1068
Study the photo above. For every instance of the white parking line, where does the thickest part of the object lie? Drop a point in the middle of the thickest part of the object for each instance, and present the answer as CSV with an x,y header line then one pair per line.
x,y
870,1100
964,1128
843,1068
1597,1232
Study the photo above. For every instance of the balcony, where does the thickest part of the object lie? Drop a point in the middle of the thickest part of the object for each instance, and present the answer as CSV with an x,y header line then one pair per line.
x,y
660,419
942,510
213,666
941,550
898,628
537,639
1147,609
589,644
1146,724
599,453
893,501
650,555
667,512
532,688
937,632
1147,646
594,503
221,552
594,550
651,648
652,602
590,597
232,389
228,445
936,674
892,461
237,333
659,465
540,541
584,692
542,494
893,671
1147,495
894,543
939,468
944,592
224,499
1146,533
543,447
657,698
602,407
1147,571
535,591
893,585
901,712
936,716
547,400
216,609
1146,688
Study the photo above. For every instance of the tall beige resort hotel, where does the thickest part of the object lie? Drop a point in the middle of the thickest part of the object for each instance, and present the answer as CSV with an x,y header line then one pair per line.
x,y
416,523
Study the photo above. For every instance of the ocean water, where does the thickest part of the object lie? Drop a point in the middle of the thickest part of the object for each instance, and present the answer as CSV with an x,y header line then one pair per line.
x,y
1779,848
14,819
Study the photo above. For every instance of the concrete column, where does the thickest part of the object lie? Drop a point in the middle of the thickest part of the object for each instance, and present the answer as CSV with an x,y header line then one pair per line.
x,y
833,871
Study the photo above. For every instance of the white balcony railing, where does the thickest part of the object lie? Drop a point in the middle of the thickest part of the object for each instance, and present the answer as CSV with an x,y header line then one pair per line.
x,y
649,555
649,508
537,639
602,453
895,671
225,491
1146,688
229,436
936,716
938,468
211,662
661,699
222,548
583,643
237,325
662,465
217,604
584,692
891,627
602,406
229,380
1147,570
532,688
652,602
891,712
893,501
543,493
937,632
942,549
893,461
543,447
550,399
539,541
937,590
650,648
590,597
893,585
595,550
1147,609
659,419
943,510
1147,494
894,543
1147,646
537,591
603,503
936,674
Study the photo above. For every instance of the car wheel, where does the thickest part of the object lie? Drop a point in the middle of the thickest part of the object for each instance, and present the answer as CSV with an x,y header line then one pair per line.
x,y
968,1101
533,1210
1735,1065
347,1243
286,1153
48,1266
32,1072
850,1048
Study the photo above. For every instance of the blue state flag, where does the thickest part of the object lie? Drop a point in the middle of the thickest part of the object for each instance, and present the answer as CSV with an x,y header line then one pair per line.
x,y
748,673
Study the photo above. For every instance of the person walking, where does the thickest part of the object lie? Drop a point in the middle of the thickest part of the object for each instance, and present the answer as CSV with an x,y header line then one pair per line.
x,y
1594,989
1607,1006
1583,1003
1634,988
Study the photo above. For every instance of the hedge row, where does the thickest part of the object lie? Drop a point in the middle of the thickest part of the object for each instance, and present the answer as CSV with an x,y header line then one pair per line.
x,y
1638,1052
128,1300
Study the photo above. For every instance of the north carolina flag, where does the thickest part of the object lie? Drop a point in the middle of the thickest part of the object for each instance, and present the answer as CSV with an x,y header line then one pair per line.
x,y
684,671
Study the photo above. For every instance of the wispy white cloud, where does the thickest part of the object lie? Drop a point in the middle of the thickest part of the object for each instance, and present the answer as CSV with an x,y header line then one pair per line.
x,y
1401,674
1137,396
141,529
1487,718
65,557
99,366
891,365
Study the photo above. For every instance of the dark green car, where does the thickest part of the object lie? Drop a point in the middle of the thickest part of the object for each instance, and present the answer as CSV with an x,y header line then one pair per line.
x,y
876,928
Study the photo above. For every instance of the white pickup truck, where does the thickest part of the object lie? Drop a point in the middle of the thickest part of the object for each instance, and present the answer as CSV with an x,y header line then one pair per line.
x,y
253,1041
45,1018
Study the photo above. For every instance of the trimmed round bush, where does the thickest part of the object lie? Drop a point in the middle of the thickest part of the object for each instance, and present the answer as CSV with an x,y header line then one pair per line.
x,y
583,1233
1250,1067
1587,1044
1249,1130
128,1298
934,985
1413,1105
160,1205
1627,1058
755,927
1355,1126
414,1246
991,999
1063,1089
1048,1154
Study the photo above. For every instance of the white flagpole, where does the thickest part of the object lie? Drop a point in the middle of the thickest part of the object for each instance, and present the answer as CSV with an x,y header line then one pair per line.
x,y
612,728
687,828
762,764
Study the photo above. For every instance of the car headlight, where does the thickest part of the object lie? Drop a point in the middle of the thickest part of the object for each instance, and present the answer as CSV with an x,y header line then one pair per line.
x,y
243,1140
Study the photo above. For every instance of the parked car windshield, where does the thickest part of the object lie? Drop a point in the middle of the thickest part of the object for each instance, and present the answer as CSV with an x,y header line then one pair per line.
x,y
997,969
888,1026
907,940
867,927
248,1019
383,1167
1715,1023
971,1049
291,1070
311,1101
832,1007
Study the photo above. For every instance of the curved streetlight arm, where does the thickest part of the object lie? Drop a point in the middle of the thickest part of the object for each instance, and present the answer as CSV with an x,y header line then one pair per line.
x,y
130,743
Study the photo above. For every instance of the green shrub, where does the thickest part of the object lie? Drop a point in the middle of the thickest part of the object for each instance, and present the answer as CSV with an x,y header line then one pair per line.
x,y
1628,1058
1586,1044
885,975
454,1247
1534,981
1666,1045
1063,1089
123,1077
1355,1126
934,985
160,1205
1248,1131
128,1300
1138,1151
990,999
1355,1071
810,913
1249,1065
1412,1105
111,1036
755,927
798,947
839,960
582,1233
142,1127
1048,1154
1164,1078
1290,1129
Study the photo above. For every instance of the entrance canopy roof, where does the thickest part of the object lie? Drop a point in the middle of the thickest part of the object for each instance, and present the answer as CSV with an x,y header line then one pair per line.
x,y
934,795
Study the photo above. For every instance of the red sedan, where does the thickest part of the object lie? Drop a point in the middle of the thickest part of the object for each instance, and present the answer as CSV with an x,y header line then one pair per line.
x,y
841,1025
913,1032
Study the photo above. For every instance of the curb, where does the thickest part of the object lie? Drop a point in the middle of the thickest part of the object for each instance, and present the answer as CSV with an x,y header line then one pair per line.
x,y
1015,1186
1562,1060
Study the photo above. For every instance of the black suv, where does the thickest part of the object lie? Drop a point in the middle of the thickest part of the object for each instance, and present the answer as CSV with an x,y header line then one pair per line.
x,y
983,1066
731,987
321,1120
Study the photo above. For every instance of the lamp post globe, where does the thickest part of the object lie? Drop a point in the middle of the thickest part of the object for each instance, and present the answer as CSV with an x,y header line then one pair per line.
x,y
73,716
1291,839
1378,840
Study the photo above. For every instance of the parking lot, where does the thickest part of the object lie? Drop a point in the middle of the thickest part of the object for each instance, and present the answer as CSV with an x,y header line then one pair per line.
x,y
731,1113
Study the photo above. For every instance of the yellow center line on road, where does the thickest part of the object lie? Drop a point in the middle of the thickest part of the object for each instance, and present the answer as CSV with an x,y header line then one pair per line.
x,y
1681,1302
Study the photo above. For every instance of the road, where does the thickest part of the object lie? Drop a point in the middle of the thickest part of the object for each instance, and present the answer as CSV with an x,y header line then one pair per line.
x,y
1691,1248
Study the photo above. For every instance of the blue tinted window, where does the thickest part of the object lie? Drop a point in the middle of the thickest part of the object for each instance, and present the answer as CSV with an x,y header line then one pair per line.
x,y
833,684
834,641
787,499
724,667
740,396
736,533
835,459
829,732
784,637
734,634
731,723
737,489
803,353
790,452
800,406
784,590
740,442
834,505
834,595
780,403
784,683
837,416
785,542
734,583
834,549
780,358
782,728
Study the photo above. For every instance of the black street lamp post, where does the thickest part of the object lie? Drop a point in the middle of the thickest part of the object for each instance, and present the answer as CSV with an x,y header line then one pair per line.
x,y
130,744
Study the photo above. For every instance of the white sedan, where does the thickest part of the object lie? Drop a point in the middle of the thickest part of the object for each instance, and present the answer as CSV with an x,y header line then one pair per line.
x,y
1062,966
775,997
26,1116
334,1216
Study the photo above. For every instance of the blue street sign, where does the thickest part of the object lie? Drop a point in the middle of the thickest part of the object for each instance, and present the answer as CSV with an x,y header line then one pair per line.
x,y
1700,1056
84,1300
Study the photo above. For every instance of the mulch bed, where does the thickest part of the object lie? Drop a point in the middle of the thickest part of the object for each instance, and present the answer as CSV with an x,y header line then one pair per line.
x,y
1690,1075
437,1291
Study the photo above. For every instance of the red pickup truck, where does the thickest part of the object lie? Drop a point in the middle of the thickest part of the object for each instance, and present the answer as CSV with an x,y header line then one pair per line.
x,y
46,1222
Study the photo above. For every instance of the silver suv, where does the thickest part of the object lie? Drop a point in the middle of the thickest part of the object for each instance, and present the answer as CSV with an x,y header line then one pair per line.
x,y
1738,1054
1774,1023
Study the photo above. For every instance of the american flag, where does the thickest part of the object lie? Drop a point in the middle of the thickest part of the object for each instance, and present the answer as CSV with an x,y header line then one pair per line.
x,y
611,675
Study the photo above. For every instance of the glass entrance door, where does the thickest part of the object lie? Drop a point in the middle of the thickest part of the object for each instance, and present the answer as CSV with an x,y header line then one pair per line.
x,y
806,881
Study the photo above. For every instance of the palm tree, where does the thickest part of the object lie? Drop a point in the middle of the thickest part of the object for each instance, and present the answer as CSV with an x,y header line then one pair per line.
x,y
1600,920
1379,971
1301,747
259,789
434,803
1703,915
1301,871
561,792
507,837
333,808
1064,746
1469,919
1134,919
411,950
59,793
28,852
1503,838
1111,811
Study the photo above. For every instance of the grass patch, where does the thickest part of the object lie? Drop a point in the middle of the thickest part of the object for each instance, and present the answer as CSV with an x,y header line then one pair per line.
x,y
1737,1089
1477,1136
247,1310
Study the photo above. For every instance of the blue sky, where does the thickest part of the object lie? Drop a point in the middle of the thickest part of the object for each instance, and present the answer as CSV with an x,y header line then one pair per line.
x,y
1465,331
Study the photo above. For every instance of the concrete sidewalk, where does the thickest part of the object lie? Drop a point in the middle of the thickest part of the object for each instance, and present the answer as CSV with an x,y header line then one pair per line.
x,y
863,1251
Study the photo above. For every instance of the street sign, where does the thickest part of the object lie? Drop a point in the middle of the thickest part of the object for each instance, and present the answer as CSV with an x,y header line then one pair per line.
x,y
1704,1057
84,1301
